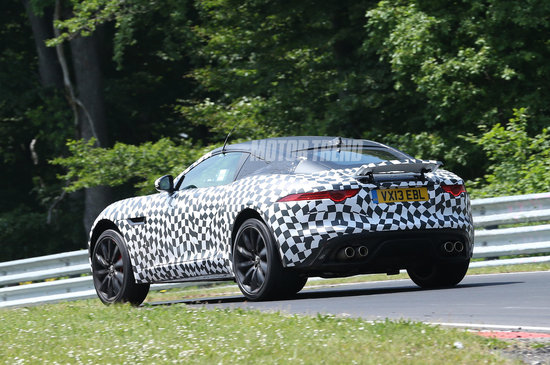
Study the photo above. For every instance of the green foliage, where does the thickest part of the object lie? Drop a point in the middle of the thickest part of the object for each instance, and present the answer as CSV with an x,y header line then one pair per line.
x,y
88,166
245,115
428,146
470,63
520,163
131,19
393,69
26,232
34,125
302,62
407,67
88,15
414,74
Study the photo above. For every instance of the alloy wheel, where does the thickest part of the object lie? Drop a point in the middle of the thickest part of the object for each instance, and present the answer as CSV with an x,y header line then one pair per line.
x,y
251,259
108,268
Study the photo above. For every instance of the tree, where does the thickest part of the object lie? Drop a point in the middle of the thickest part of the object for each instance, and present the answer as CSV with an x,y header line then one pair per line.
x,y
90,166
91,115
384,70
34,124
42,29
86,92
139,74
471,62
301,63
520,164
86,100
416,74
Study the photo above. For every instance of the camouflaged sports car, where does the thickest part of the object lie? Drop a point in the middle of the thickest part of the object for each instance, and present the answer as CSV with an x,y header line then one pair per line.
x,y
271,213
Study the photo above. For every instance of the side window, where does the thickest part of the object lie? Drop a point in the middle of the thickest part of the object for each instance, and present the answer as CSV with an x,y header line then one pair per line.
x,y
217,170
250,166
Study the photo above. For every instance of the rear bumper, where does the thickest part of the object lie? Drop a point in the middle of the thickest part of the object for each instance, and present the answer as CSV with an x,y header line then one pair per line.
x,y
388,252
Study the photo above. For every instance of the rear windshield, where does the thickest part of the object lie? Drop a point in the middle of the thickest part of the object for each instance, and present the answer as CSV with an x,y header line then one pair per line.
x,y
318,159
351,157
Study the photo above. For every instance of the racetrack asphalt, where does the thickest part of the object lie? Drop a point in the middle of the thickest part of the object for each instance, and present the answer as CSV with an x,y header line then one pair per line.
x,y
496,301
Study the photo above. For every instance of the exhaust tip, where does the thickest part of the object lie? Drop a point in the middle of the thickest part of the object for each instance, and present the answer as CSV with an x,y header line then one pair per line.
x,y
362,251
449,246
349,252
345,253
459,246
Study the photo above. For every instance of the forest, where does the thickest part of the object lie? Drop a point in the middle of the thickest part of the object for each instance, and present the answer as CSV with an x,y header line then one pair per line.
x,y
100,97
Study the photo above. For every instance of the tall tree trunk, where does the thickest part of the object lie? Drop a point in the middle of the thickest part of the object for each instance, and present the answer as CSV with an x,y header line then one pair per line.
x,y
88,105
48,65
89,81
87,71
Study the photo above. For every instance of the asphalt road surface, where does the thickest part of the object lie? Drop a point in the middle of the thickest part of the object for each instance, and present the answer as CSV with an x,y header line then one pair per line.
x,y
511,301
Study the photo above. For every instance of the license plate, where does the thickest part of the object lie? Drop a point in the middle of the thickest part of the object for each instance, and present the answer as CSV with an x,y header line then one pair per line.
x,y
399,195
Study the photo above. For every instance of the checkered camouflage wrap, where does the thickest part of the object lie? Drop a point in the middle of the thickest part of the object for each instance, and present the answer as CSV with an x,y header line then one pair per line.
x,y
187,234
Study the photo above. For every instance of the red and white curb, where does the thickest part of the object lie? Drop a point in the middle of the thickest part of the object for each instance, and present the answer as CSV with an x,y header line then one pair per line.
x,y
512,334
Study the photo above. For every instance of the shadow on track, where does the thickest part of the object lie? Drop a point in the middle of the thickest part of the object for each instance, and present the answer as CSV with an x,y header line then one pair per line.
x,y
329,292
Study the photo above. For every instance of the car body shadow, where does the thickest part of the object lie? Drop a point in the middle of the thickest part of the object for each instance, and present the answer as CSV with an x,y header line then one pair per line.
x,y
329,292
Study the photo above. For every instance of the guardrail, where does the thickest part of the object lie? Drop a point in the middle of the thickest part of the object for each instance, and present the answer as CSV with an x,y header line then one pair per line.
x,y
511,210
491,242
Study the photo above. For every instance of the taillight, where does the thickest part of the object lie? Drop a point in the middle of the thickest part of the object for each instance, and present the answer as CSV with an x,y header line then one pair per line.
x,y
456,190
334,195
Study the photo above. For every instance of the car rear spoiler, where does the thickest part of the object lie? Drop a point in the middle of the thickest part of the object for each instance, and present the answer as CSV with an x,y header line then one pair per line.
x,y
407,166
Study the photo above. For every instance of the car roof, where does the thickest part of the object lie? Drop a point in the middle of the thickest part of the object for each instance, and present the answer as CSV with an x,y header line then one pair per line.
x,y
279,145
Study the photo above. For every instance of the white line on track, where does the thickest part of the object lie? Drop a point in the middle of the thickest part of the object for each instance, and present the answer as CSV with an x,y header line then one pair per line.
x,y
507,327
509,273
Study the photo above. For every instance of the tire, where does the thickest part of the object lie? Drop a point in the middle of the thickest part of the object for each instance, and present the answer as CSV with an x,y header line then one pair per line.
x,y
293,283
258,270
438,275
112,271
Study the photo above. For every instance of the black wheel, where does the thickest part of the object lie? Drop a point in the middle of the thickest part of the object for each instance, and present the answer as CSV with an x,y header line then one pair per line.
x,y
112,272
434,275
257,266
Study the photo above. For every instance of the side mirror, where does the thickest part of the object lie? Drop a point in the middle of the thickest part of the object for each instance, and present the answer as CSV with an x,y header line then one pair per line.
x,y
165,183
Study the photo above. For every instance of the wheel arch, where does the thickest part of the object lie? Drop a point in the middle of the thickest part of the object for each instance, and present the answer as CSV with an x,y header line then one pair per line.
x,y
98,229
245,214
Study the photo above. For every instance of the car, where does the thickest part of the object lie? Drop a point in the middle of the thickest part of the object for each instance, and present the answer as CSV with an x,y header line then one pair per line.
x,y
271,213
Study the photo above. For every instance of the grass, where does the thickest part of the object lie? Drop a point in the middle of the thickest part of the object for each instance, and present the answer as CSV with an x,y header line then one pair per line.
x,y
225,288
89,333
